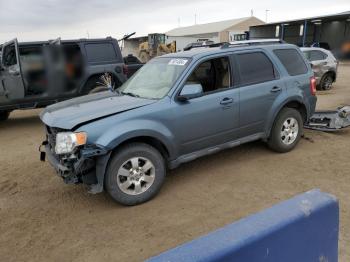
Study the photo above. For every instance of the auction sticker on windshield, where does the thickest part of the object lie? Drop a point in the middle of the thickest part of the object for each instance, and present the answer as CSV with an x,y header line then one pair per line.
x,y
179,62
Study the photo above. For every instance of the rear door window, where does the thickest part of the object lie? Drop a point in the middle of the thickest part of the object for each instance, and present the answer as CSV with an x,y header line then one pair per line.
x,y
255,68
292,61
100,52
317,55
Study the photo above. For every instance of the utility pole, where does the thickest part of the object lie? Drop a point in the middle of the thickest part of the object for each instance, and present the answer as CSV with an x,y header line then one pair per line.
x,y
266,13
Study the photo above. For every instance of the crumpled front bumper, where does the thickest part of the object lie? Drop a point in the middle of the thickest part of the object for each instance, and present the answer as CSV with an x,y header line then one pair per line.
x,y
88,166
330,121
54,161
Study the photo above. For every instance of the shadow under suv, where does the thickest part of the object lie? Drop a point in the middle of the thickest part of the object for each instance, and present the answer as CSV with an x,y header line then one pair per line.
x,y
177,108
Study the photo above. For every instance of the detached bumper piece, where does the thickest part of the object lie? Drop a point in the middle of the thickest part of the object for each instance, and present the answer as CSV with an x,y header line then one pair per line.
x,y
330,121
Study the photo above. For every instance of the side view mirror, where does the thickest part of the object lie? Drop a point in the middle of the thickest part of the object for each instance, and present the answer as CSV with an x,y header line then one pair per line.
x,y
190,91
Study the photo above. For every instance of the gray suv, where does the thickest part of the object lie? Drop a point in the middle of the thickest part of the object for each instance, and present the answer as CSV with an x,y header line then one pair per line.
x,y
324,65
177,108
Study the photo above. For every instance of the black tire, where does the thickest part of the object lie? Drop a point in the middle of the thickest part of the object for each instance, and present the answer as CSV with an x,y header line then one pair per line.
x,y
121,158
277,141
326,82
98,89
4,115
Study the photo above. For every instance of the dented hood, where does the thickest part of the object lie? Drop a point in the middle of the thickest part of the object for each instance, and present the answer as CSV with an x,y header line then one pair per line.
x,y
77,111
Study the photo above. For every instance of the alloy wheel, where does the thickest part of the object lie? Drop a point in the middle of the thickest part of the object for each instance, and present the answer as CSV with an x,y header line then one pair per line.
x,y
289,132
136,175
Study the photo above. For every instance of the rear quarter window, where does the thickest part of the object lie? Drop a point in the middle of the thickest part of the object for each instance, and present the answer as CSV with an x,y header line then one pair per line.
x,y
317,55
100,52
292,61
255,68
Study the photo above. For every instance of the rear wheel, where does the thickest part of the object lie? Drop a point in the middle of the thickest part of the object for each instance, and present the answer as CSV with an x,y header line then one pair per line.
x,y
99,83
286,131
4,115
135,174
326,82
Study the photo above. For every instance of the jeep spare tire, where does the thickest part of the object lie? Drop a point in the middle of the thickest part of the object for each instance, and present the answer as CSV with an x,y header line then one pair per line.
x,y
98,89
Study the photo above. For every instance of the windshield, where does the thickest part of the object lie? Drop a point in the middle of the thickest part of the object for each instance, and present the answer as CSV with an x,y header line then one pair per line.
x,y
155,79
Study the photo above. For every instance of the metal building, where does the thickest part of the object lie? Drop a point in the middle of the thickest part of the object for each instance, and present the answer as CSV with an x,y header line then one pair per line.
x,y
222,31
333,30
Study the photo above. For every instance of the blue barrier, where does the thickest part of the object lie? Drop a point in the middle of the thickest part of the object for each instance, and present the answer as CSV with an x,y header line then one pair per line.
x,y
303,228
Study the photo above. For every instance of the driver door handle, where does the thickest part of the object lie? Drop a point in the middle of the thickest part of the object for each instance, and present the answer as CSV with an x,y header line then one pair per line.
x,y
226,101
276,89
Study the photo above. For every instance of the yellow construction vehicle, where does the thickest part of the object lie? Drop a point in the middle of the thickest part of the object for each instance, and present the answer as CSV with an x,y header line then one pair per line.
x,y
155,46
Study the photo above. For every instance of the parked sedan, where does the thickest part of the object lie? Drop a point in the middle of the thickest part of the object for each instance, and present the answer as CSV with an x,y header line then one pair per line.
x,y
324,65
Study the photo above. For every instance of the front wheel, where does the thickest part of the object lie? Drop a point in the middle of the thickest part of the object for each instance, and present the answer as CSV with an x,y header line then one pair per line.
x,y
4,115
286,131
135,174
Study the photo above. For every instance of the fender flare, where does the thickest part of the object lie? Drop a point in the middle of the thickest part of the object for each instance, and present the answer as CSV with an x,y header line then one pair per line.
x,y
111,143
276,110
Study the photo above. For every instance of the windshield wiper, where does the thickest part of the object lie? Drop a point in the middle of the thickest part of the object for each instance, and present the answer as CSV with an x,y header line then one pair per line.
x,y
130,94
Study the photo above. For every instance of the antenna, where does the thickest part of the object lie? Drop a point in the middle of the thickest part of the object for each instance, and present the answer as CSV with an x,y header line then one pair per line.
x,y
266,12
251,12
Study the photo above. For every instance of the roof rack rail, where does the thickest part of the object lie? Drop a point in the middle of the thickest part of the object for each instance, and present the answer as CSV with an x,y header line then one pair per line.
x,y
242,43
253,42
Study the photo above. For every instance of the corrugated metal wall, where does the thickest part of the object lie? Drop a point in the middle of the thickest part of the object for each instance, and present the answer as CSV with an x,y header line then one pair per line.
x,y
335,33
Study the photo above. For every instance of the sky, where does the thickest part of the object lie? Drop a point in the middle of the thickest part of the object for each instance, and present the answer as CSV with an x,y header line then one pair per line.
x,y
30,20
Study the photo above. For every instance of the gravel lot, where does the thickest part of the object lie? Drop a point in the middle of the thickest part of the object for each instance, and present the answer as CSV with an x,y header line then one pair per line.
x,y
42,219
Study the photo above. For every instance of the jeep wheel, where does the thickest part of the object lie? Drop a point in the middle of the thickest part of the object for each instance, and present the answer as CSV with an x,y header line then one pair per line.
x,y
135,174
286,131
326,82
4,115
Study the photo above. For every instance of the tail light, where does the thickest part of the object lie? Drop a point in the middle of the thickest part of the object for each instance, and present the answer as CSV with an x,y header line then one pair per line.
x,y
125,70
313,85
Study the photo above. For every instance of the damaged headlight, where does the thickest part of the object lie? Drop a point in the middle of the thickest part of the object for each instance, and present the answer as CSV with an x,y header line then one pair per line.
x,y
66,142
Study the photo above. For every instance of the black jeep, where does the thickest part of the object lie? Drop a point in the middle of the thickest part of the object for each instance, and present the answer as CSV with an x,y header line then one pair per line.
x,y
36,74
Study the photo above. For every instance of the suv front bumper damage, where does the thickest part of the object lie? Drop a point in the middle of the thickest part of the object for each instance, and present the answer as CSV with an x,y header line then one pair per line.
x,y
87,166
330,121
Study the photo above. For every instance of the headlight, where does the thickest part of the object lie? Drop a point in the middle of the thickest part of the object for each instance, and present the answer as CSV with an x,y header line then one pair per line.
x,y
66,142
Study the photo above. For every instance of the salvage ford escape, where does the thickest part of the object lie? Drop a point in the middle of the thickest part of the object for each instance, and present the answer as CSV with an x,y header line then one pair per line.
x,y
177,108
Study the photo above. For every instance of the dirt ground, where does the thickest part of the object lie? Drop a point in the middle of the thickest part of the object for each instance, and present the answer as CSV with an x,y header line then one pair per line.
x,y
42,219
